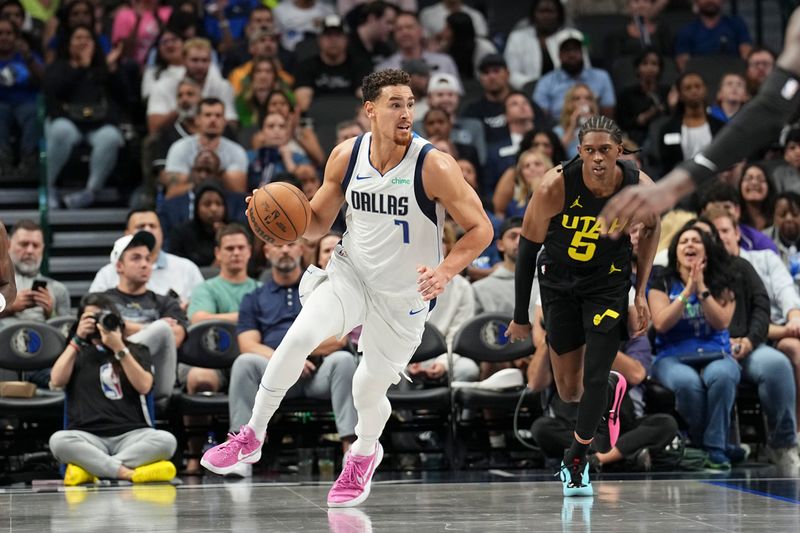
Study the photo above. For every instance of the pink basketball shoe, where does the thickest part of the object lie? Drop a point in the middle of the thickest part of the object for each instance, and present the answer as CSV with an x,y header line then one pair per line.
x,y
353,485
242,447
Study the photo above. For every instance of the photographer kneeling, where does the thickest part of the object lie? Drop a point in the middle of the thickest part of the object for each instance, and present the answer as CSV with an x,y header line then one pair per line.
x,y
106,379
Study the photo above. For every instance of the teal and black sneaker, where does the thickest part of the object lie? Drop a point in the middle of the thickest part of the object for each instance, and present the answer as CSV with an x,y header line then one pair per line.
x,y
575,478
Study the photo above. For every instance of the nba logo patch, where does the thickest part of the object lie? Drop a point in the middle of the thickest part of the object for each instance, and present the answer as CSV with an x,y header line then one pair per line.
x,y
789,89
109,382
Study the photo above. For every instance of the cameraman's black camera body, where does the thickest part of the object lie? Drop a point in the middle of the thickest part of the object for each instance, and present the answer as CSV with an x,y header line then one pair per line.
x,y
108,320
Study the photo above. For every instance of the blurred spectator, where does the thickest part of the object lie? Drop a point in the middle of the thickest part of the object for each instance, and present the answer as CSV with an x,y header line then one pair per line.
x,y
28,20
21,73
210,125
251,101
345,7
169,272
276,152
137,26
579,104
726,196
168,63
188,98
264,318
544,141
372,34
70,16
263,46
581,8
712,33
785,231
297,18
549,91
187,19
259,22
532,50
347,130
420,74
195,239
301,129
85,97
639,105
109,431
643,32
773,305
438,126
760,62
408,37
444,92
757,197
434,17
155,320
39,297
528,173
459,41
162,106
690,128
333,70
225,20
692,303
731,96
787,175
495,293
309,178
502,155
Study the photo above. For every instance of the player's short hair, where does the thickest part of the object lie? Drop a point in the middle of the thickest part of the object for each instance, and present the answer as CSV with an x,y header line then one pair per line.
x,y
373,83
603,124
231,229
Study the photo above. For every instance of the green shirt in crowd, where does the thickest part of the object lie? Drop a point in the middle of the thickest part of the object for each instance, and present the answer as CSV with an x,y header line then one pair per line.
x,y
217,295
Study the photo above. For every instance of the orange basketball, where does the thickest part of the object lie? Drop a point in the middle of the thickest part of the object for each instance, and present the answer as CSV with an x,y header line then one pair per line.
x,y
279,213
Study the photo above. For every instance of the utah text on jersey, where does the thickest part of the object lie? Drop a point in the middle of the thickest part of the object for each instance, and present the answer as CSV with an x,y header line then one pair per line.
x,y
587,229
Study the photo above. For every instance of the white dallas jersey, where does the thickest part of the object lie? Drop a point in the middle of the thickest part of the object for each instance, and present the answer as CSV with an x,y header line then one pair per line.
x,y
392,225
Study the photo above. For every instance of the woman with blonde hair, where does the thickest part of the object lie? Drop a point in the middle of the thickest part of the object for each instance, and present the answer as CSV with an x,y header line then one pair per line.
x,y
530,169
580,103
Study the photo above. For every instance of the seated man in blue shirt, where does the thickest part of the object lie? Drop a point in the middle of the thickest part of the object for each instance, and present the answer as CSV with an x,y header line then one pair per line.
x,y
264,318
712,33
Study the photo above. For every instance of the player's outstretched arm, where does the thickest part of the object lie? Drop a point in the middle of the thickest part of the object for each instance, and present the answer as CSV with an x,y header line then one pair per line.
x,y
444,183
329,198
545,204
648,244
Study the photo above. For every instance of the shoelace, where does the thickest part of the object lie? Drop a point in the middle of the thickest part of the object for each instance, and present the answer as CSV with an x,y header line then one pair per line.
x,y
571,471
349,476
238,438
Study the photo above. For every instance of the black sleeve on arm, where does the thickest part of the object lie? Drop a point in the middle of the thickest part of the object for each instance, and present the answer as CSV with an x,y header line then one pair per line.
x,y
523,278
756,125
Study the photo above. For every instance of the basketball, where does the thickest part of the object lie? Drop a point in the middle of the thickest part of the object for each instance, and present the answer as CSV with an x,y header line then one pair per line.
x,y
279,213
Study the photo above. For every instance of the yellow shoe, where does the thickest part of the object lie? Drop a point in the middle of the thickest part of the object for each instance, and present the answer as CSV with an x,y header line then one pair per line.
x,y
76,475
158,471
160,494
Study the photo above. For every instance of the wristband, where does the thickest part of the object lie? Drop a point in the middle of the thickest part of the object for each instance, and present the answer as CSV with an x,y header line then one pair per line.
x,y
78,341
683,299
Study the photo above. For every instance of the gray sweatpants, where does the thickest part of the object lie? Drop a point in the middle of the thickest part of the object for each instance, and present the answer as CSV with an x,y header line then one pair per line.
x,y
160,341
333,380
102,456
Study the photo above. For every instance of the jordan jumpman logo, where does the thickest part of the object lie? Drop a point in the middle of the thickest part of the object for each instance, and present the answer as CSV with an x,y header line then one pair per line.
x,y
577,202
614,269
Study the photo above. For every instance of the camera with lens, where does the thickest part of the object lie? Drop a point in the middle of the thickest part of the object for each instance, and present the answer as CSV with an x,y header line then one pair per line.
x,y
108,320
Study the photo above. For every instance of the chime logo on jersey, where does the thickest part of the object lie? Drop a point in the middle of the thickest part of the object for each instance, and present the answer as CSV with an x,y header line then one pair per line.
x,y
109,382
382,204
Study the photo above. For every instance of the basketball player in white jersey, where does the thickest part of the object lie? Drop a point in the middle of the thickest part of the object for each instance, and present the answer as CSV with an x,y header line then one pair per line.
x,y
385,274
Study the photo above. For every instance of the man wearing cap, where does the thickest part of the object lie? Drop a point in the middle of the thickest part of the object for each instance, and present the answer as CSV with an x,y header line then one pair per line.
x,y
373,34
551,88
490,109
333,70
444,92
151,319
408,36
170,273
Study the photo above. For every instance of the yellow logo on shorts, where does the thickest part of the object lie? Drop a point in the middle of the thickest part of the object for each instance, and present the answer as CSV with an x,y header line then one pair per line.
x,y
608,312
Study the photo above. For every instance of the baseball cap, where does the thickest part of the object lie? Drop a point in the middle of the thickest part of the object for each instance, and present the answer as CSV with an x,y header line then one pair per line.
x,y
443,81
492,60
569,34
129,241
416,66
332,23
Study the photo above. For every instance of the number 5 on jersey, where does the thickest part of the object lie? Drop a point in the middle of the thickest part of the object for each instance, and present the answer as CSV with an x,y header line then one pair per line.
x,y
403,224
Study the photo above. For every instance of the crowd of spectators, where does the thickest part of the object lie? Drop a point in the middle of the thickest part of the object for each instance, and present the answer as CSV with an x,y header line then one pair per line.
x,y
214,99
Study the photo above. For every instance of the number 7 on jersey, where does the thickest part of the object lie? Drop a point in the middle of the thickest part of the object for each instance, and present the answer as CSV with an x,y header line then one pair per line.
x,y
403,224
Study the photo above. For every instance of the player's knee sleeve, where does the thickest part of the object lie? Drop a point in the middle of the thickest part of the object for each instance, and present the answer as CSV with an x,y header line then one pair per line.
x,y
757,124
601,349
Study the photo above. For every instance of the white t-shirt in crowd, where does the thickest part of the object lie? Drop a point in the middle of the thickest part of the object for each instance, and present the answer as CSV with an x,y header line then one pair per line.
x,y
182,153
294,22
164,94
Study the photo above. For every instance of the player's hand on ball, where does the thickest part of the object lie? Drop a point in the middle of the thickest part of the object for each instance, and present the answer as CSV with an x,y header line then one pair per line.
x,y
430,283
518,332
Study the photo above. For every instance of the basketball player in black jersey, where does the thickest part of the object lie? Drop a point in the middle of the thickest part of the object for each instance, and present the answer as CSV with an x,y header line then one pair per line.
x,y
756,125
584,282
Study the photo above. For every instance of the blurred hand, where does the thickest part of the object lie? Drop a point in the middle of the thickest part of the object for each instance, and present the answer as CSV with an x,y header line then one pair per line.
x,y
111,338
518,332
43,299
86,326
741,347
792,326
308,369
642,315
435,371
430,283
24,300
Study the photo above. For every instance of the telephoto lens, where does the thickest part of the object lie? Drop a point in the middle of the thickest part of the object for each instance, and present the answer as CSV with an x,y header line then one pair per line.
x,y
108,320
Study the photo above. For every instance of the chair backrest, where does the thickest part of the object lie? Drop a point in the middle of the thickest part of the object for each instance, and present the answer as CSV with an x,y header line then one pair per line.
x,y
327,111
63,323
483,339
30,345
210,344
433,345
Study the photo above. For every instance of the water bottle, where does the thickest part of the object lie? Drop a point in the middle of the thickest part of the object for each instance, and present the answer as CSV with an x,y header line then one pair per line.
x,y
211,441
